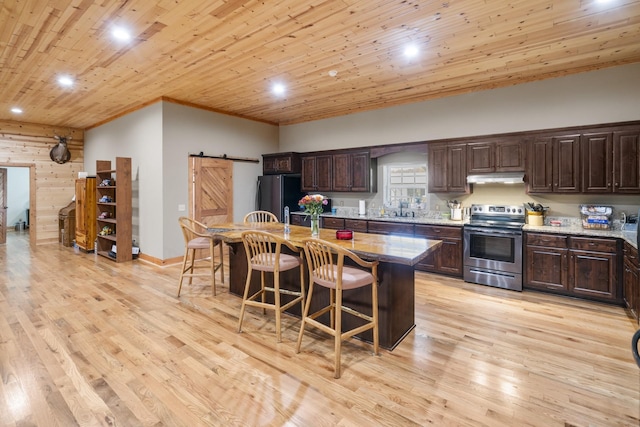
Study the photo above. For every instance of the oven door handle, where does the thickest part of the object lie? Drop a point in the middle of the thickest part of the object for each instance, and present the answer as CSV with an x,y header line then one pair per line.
x,y
493,231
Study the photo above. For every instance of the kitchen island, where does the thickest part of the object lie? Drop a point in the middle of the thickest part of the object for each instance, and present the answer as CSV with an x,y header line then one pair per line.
x,y
396,292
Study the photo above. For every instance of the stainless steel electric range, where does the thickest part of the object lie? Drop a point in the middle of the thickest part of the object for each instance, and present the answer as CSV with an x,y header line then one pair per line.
x,y
493,246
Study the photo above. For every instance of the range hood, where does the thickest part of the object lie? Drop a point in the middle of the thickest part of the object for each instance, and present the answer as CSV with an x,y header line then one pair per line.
x,y
497,178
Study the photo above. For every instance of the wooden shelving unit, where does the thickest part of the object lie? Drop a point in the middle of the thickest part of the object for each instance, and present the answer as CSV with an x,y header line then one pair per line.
x,y
113,208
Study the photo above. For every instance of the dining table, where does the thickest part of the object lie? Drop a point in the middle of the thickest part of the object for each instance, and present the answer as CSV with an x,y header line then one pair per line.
x,y
397,257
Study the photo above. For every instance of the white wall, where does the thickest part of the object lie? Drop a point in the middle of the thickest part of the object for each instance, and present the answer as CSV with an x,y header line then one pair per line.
x,y
609,95
139,136
17,195
191,131
159,139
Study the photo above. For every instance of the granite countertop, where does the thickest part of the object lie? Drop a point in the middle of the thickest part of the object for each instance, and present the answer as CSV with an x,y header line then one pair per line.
x,y
391,218
628,236
572,228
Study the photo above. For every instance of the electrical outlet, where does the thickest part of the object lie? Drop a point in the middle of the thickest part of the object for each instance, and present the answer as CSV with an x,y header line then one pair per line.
x,y
182,208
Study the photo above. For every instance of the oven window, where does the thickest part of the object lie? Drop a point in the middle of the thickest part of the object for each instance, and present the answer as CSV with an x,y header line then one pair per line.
x,y
492,248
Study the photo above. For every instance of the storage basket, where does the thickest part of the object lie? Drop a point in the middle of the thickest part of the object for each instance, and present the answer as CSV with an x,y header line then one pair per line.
x,y
596,217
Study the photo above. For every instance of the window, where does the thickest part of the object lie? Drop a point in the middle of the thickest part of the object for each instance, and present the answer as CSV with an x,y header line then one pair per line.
x,y
405,183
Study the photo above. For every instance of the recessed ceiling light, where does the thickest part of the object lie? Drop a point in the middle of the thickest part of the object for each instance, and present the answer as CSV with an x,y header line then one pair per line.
x,y
279,89
121,34
411,51
16,110
65,81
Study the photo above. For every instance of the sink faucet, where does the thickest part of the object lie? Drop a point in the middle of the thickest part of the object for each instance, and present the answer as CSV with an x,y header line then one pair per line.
x,y
404,205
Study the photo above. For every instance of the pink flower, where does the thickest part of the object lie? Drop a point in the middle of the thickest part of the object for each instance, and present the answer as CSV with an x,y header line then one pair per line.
x,y
312,203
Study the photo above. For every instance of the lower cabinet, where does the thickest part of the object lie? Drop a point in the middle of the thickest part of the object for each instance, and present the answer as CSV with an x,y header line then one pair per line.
x,y
301,219
359,225
447,259
333,223
631,283
396,228
584,267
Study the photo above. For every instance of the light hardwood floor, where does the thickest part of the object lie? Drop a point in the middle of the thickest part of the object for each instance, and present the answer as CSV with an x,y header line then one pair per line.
x,y
84,341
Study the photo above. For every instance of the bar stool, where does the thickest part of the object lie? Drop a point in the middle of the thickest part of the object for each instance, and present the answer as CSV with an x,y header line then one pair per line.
x,y
325,262
260,216
196,237
263,251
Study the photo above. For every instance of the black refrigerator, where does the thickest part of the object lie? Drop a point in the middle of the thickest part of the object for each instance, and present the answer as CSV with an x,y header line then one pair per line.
x,y
274,192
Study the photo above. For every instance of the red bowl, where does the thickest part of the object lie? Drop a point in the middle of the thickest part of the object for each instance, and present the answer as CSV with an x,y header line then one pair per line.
x,y
344,234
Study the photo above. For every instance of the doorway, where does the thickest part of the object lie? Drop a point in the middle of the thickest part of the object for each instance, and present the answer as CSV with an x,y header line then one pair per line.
x,y
19,182
211,190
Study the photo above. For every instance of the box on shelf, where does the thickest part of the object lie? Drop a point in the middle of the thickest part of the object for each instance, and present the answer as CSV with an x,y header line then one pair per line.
x,y
596,217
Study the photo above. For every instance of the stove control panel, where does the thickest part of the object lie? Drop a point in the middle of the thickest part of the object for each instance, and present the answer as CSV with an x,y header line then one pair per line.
x,y
497,210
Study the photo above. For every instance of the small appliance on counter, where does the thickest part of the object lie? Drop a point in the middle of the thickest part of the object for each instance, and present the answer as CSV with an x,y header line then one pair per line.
x,y
596,217
630,223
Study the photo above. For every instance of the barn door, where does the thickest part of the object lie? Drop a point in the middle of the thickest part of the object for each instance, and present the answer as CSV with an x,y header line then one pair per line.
x,y
211,192
3,205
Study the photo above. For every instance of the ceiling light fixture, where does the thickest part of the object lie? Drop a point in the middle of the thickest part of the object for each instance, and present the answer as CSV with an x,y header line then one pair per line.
x,y
65,81
121,34
16,110
279,89
411,51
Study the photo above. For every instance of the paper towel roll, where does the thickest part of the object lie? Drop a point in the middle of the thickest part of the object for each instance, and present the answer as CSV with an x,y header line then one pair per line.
x,y
362,210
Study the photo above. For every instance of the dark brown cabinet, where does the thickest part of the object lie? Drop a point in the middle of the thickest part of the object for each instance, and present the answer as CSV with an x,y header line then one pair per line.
x,y
333,223
448,168
585,267
554,164
611,162
301,219
626,161
359,225
281,163
353,171
498,156
447,259
631,283
546,262
593,268
597,156
398,228
317,172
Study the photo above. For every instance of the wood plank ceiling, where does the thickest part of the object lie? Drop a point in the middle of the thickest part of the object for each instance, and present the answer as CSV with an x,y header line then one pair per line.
x,y
224,55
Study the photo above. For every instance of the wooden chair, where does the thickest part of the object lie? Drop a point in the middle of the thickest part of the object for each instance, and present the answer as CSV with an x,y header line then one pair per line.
x,y
196,237
325,262
263,251
260,216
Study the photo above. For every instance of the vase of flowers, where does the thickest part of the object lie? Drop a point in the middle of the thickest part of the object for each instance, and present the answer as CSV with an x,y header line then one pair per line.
x,y
312,205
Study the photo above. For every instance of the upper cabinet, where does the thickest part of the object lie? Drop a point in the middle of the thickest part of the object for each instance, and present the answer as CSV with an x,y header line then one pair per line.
x,y
316,172
554,164
611,162
448,168
273,164
626,161
339,171
496,156
354,171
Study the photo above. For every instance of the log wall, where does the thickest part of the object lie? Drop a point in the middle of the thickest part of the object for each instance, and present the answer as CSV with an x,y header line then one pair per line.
x,y
52,185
